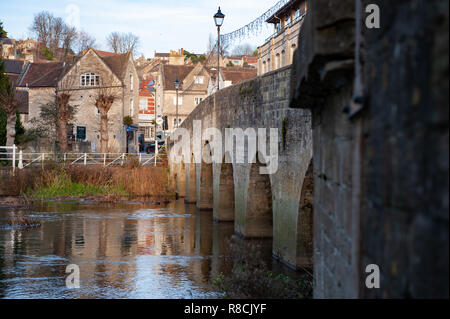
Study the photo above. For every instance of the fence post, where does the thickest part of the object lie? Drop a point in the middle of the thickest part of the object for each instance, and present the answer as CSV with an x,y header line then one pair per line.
x,y
123,158
65,158
104,159
20,160
140,159
42,159
85,158
14,158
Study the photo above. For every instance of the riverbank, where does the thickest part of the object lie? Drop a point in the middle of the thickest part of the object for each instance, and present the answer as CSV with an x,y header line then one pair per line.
x,y
96,184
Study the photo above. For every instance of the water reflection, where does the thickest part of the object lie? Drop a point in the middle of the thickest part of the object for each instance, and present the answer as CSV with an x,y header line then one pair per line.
x,y
123,251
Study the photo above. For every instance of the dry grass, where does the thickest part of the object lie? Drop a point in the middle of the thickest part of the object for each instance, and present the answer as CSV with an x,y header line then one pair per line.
x,y
92,180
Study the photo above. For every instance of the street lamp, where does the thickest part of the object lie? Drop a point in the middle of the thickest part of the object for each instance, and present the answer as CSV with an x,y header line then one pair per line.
x,y
218,19
177,87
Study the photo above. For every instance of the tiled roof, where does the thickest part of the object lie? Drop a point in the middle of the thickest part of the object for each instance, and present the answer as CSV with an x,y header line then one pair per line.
x,y
238,74
22,98
6,41
13,78
101,53
42,74
117,63
13,66
173,72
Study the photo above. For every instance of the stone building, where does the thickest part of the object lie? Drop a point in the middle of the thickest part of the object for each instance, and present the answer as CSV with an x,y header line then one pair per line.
x,y
229,76
8,48
194,88
89,75
278,51
147,107
379,102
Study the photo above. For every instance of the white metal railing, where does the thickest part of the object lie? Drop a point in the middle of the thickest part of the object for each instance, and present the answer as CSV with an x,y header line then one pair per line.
x,y
22,160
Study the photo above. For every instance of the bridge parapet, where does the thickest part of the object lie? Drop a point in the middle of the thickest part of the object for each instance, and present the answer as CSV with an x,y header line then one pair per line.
x,y
261,205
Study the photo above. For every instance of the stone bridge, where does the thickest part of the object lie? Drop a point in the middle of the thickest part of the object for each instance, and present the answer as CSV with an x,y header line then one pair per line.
x,y
362,118
275,205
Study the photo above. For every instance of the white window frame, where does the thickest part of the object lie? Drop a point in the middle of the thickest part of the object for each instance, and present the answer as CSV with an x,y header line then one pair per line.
x,y
89,79
131,107
180,100
198,79
143,104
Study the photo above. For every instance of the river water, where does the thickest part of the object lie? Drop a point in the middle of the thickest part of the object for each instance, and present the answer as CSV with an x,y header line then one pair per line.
x,y
123,251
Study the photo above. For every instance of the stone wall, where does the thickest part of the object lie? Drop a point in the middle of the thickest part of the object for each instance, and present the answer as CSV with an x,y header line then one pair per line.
x,y
262,102
380,146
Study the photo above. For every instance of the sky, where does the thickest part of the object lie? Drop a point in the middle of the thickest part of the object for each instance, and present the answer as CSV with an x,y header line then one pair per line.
x,y
162,25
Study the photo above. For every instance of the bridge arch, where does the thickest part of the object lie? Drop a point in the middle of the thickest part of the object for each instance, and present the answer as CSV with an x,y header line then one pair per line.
x,y
205,180
257,215
180,180
305,221
223,191
191,182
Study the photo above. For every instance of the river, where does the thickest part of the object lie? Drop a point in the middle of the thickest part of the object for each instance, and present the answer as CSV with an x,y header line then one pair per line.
x,y
126,250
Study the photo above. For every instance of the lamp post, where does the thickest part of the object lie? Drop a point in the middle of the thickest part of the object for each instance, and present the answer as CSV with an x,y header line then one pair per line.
x,y
218,19
177,87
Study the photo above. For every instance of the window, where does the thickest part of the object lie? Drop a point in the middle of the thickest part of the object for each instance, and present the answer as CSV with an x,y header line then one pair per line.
x,y
198,79
277,61
90,79
297,13
131,107
180,100
131,82
264,67
81,133
277,27
175,121
198,100
288,20
148,133
143,104
283,58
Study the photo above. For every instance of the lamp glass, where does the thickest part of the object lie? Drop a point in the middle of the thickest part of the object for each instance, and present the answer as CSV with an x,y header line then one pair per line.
x,y
218,18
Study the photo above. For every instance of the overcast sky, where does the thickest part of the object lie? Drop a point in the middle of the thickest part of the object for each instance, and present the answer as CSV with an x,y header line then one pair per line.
x,y
161,25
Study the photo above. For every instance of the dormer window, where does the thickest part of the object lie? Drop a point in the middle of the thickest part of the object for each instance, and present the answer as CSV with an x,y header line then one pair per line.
x,y
90,79
198,79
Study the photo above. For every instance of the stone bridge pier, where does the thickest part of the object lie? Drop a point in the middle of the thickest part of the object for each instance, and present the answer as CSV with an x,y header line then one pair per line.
x,y
260,205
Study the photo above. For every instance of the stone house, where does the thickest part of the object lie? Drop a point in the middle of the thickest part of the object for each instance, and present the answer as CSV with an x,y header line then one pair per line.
x,y
84,79
194,89
8,48
229,76
278,51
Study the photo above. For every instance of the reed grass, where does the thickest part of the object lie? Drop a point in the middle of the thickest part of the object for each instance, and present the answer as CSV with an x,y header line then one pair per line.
x,y
83,181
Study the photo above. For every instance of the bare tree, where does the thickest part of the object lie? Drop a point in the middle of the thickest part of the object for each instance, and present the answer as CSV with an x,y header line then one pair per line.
x,y
9,104
211,44
123,42
69,37
85,41
113,40
243,49
53,33
65,111
104,99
